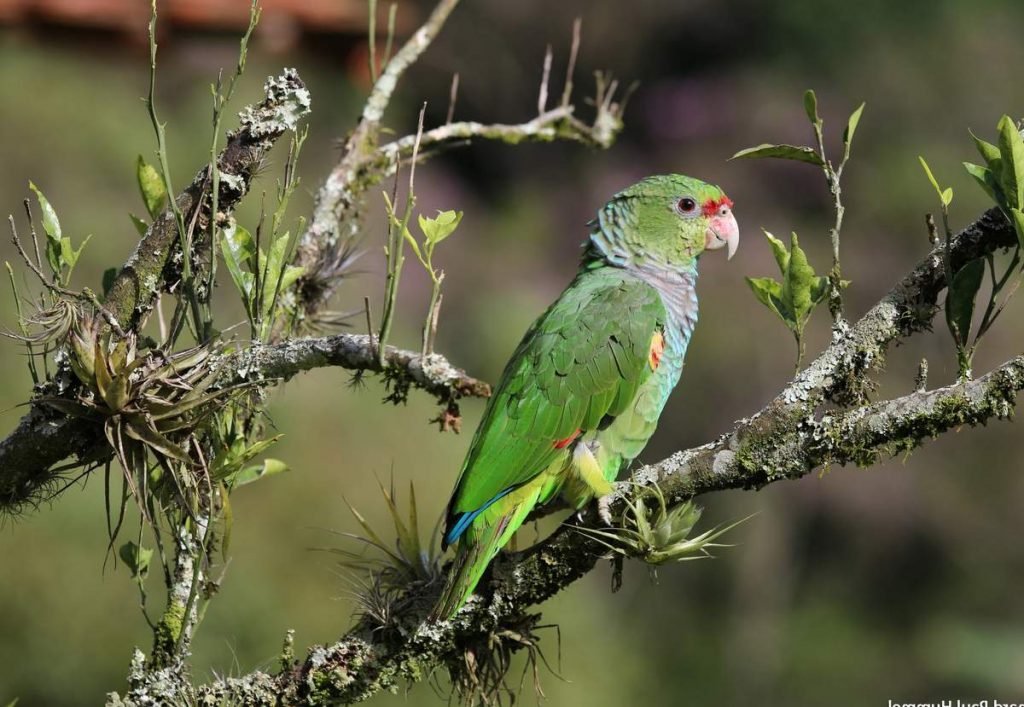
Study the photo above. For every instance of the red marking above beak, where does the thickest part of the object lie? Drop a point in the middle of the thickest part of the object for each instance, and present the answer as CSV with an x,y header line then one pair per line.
x,y
714,206
723,231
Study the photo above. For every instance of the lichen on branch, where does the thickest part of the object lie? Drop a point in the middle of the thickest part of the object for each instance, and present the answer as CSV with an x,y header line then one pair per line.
x,y
356,352
146,272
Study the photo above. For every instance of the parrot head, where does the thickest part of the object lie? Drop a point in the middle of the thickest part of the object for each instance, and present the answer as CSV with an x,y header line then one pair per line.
x,y
668,219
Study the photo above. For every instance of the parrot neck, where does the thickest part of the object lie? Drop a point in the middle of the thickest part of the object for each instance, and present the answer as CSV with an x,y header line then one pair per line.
x,y
678,290
677,284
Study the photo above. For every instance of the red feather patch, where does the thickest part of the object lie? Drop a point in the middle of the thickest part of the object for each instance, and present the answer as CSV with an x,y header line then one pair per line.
x,y
711,207
563,443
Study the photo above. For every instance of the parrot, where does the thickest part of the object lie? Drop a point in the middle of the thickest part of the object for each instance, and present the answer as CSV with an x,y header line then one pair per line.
x,y
583,391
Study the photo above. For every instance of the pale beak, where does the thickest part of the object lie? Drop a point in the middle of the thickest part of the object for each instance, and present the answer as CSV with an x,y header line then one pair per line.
x,y
723,231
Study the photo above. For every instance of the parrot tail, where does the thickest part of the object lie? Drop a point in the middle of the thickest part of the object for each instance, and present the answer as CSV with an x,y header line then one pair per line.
x,y
477,547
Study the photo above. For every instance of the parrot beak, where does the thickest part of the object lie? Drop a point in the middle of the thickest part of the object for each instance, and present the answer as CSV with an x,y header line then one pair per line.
x,y
723,231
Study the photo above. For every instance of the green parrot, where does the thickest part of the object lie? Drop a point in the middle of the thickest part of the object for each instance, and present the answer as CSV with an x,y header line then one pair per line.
x,y
584,389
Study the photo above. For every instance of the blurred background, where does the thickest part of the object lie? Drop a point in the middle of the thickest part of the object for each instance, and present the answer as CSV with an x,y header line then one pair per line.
x,y
849,587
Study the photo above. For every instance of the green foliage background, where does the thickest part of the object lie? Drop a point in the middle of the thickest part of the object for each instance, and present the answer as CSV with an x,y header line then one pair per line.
x,y
853,587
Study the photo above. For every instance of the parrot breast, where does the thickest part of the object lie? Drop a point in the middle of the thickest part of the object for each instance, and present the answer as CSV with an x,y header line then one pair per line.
x,y
621,442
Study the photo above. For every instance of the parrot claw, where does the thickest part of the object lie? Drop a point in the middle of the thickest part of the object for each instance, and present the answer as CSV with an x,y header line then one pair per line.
x,y
604,509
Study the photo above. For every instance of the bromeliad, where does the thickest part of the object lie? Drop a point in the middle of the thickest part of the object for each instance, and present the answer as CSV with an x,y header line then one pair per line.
x,y
583,391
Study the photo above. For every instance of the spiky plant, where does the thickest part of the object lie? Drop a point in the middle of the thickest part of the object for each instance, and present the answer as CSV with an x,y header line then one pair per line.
x,y
658,533
153,409
380,573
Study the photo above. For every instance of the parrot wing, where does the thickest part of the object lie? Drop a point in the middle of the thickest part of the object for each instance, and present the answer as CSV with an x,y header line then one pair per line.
x,y
580,364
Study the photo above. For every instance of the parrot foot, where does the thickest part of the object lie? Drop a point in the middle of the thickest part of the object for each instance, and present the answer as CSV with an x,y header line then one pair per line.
x,y
604,509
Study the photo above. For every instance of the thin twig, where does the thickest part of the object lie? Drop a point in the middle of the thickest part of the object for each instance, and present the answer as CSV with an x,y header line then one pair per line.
x,y
571,68
392,14
453,95
542,96
380,96
32,232
396,243
372,38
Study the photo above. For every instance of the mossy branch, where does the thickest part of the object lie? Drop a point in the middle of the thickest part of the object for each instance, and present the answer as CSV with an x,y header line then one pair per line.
x,y
44,438
147,271
355,352
555,124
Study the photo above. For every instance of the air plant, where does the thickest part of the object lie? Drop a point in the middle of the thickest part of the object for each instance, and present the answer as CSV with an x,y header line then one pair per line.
x,y
659,533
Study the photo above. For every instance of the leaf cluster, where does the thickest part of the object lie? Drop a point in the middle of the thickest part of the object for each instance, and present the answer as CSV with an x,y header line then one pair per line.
x,y
1002,178
61,256
801,290
794,297
259,276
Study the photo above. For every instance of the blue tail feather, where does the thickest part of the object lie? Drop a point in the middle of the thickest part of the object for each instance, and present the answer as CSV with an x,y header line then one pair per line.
x,y
464,519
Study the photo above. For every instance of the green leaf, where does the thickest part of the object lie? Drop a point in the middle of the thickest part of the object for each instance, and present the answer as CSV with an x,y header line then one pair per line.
x,y
947,196
140,226
269,467
983,176
136,558
1018,225
407,235
851,128
779,251
796,286
960,299
988,151
931,178
69,255
272,272
238,247
440,227
769,293
228,516
290,275
1011,150
800,291
151,437
820,288
782,152
151,186
811,106
109,275
51,226
229,461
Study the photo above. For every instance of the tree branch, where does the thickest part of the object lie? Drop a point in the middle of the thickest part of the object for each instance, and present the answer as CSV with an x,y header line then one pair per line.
x,y
356,352
144,275
551,125
380,95
43,438
325,249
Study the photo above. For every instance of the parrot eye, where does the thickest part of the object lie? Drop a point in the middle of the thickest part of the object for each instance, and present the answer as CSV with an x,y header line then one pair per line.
x,y
686,206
